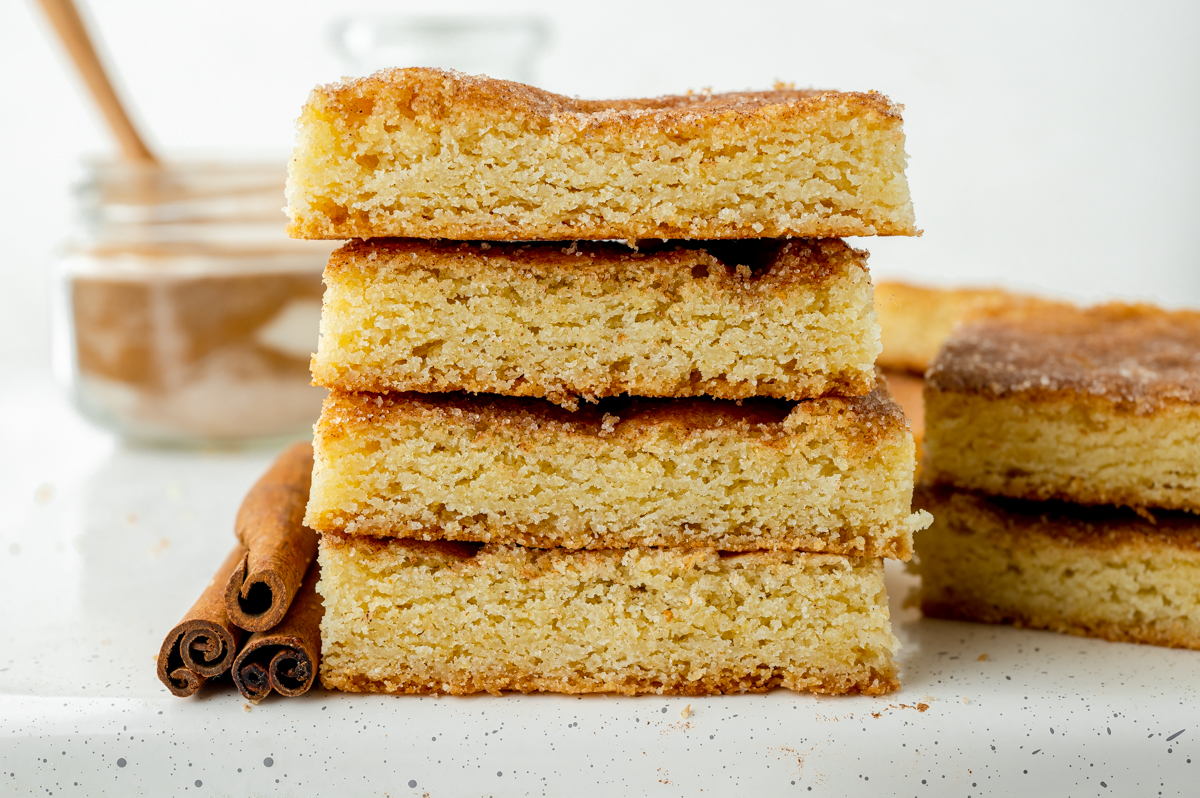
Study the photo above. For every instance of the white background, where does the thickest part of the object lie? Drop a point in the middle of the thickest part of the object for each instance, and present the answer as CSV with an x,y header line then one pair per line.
x,y
1052,146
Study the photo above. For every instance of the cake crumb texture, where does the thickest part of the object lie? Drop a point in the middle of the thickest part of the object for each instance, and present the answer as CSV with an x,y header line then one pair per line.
x,y
432,154
832,474
1092,571
411,617
788,319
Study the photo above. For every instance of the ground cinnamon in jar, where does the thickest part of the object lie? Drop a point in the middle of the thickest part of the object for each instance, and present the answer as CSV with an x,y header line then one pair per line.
x,y
188,315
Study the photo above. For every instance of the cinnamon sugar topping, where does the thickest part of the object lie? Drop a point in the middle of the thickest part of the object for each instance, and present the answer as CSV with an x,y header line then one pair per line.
x,y
1136,357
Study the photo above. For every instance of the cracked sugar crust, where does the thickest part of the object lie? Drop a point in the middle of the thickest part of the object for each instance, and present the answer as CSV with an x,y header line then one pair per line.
x,y
432,154
1136,358
430,91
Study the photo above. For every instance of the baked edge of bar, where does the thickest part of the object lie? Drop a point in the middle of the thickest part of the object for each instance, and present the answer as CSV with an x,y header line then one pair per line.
x,y
980,612
875,415
898,545
314,229
613,260
1096,528
867,682
819,386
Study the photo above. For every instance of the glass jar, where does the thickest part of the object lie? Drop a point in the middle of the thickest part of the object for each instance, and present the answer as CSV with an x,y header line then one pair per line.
x,y
185,314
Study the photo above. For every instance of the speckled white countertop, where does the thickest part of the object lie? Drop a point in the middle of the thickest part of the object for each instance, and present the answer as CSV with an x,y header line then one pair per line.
x,y
103,547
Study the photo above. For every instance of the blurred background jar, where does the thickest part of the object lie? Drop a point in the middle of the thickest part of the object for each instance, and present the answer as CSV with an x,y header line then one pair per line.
x,y
185,315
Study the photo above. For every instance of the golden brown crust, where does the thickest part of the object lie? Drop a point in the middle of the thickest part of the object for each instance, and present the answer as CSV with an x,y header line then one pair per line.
x,y
866,682
869,418
774,264
1094,528
544,560
436,92
353,409
857,542
1132,358
1171,635
717,388
360,226
461,554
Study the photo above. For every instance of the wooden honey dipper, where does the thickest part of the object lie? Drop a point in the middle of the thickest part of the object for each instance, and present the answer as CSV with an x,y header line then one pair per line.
x,y
67,23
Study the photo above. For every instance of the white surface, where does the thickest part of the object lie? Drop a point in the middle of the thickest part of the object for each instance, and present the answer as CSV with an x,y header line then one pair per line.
x,y
102,549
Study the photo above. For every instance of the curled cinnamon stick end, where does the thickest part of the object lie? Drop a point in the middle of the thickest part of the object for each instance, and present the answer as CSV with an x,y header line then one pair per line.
x,y
202,645
286,658
270,524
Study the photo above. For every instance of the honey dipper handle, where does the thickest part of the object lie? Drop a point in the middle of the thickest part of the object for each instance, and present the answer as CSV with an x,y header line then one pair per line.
x,y
66,21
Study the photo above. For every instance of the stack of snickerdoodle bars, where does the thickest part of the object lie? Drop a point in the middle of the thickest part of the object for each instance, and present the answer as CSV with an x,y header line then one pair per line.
x,y
603,412
1062,450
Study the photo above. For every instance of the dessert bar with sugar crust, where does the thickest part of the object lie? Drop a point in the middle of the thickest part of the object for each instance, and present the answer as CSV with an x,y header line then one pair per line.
x,y
424,153
1095,406
1093,571
915,320
787,319
412,617
831,474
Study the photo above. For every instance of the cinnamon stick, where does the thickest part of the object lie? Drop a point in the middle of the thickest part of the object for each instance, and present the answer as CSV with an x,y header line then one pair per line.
x,y
279,548
203,645
284,659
